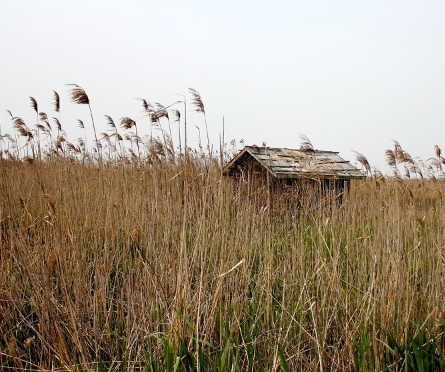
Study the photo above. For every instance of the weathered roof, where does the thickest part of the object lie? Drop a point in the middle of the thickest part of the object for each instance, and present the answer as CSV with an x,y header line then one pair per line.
x,y
290,163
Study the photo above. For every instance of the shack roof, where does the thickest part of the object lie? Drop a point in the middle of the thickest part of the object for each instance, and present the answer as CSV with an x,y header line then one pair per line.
x,y
291,163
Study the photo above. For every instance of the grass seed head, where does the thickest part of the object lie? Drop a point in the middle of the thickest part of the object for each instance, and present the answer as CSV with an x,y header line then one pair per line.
x,y
110,122
306,144
58,125
78,95
363,161
28,342
43,116
56,101
127,123
197,101
34,104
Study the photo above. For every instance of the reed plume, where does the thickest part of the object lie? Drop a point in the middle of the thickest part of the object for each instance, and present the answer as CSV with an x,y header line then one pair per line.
x,y
34,104
148,110
441,160
185,122
363,161
306,144
41,127
148,107
73,148
390,158
163,113
177,115
78,95
35,107
197,101
118,137
58,125
59,143
199,107
56,101
110,122
22,129
128,123
43,116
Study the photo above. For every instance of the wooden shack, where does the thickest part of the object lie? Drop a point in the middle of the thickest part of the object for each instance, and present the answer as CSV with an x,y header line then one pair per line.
x,y
324,171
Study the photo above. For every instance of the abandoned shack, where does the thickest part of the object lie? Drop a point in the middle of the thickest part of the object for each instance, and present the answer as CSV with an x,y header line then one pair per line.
x,y
323,171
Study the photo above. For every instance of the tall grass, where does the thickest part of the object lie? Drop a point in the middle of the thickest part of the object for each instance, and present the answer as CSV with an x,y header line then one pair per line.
x,y
122,266
150,263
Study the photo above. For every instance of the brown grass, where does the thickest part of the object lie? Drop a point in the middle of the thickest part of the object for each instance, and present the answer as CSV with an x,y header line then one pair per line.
x,y
115,261
104,265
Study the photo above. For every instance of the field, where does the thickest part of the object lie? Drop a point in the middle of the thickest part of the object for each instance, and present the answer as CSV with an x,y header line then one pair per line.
x,y
154,261
173,267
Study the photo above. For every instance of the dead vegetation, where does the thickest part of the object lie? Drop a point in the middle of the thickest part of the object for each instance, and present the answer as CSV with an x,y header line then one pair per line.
x,y
140,258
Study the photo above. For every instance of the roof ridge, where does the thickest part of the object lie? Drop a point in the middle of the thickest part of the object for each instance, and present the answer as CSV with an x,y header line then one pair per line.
x,y
287,148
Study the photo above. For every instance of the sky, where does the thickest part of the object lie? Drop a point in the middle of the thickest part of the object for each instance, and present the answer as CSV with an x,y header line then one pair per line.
x,y
350,75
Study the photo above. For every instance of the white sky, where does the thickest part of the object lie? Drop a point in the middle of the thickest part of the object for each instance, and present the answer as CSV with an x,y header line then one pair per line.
x,y
351,75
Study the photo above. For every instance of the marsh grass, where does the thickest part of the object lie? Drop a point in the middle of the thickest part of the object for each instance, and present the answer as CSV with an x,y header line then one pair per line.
x,y
115,261
120,268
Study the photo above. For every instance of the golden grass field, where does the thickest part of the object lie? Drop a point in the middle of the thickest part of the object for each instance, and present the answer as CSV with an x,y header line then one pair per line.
x,y
119,267
151,260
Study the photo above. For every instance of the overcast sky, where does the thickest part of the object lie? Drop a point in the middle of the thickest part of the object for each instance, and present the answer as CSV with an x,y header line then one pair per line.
x,y
351,75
